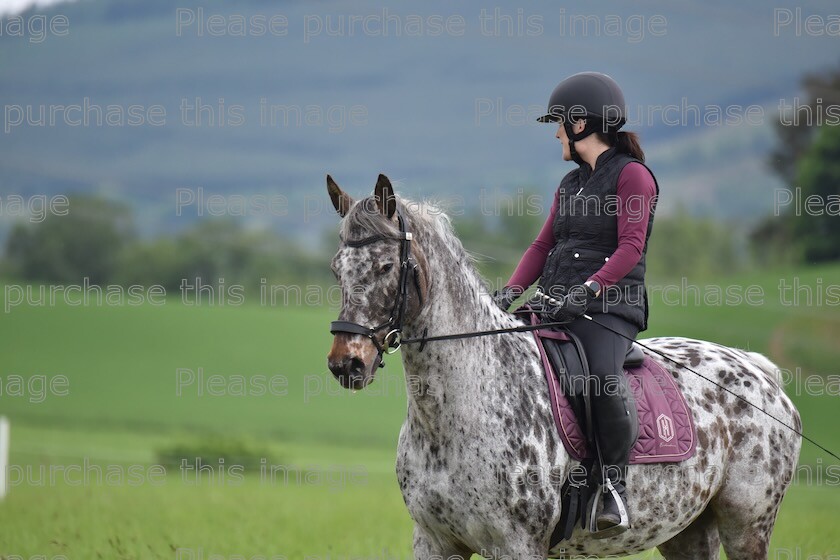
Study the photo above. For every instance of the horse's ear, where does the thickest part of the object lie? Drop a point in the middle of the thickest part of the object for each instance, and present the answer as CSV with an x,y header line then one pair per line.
x,y
340,199
386,200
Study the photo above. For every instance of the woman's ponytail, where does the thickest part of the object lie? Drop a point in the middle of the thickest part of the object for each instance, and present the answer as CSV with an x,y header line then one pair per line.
x,y
628,143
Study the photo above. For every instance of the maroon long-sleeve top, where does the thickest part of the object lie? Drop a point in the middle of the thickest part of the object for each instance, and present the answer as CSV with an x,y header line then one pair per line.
x,y
635,183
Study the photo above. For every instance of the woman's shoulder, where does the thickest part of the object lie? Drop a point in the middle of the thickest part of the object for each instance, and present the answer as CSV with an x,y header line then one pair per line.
x,y
637,177
636,168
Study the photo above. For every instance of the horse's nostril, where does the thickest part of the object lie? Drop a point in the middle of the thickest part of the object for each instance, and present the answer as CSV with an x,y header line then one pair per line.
x,y
351,366
337,366
356,365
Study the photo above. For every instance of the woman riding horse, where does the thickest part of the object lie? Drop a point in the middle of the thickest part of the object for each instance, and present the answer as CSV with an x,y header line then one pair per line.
x,y
591,257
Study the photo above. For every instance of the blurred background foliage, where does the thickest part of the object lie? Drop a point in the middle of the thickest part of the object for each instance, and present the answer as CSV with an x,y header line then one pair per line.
x,y
98,240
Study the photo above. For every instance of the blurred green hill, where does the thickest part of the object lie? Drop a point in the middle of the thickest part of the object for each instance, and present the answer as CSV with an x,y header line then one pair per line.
x,y
454,138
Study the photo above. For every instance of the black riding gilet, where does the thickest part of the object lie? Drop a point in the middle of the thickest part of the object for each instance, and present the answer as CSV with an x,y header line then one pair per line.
x,y
586,233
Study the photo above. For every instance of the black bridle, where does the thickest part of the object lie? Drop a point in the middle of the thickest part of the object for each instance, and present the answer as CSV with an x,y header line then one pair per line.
x,y
393,339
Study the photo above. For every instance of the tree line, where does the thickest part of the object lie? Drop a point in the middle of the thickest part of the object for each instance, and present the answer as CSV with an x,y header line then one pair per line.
x,y
97,240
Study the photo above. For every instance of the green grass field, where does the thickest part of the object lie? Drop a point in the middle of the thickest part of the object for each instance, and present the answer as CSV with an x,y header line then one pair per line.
x,y
340,499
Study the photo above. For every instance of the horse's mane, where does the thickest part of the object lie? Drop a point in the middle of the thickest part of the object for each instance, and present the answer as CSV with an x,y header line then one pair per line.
x,y
425,216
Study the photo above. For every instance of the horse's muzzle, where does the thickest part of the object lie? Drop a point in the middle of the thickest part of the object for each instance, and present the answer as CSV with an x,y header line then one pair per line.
x,y
352,360
350,372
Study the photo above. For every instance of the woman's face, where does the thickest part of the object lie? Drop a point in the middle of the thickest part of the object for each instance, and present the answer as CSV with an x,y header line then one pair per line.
x,y
564,140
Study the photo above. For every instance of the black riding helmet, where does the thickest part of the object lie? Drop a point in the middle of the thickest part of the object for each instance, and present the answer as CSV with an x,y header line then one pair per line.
x,y
587,95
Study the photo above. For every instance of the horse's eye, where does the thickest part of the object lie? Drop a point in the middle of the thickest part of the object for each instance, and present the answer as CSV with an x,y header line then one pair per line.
x,y
386,268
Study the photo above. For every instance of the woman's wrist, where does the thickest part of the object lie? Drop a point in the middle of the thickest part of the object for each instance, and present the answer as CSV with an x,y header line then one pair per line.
x,y
594,287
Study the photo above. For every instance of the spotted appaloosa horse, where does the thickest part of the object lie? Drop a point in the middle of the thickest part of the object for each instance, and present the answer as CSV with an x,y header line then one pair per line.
x,y
479,417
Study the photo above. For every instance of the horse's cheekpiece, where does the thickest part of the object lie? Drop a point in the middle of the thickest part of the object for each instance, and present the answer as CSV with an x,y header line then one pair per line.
x,y
666,429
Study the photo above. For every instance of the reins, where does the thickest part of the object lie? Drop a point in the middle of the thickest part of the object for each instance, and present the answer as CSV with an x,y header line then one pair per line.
x,y
677,362
393,338
715,383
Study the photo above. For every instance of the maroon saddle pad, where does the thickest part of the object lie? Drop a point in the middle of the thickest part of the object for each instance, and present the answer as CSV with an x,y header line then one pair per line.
x,y
666,427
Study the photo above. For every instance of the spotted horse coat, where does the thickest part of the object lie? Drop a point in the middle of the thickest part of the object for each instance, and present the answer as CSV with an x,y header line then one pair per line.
x,y
479,461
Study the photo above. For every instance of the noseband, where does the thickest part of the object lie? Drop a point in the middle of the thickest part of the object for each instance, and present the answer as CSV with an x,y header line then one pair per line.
x,y
392,340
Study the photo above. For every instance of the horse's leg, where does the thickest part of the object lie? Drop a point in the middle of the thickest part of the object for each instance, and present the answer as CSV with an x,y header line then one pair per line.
x,y
428,547
431,547
698,541
745,529
747,510
749,500
517,552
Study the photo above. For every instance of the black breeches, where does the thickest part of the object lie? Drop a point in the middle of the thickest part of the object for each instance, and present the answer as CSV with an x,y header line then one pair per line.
x,y
614,408
605,350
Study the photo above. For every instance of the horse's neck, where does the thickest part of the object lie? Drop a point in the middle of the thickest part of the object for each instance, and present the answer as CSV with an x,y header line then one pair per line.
x,y
447,380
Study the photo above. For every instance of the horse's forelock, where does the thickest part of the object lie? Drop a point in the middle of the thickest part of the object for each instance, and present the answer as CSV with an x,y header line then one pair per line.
x,y
364,219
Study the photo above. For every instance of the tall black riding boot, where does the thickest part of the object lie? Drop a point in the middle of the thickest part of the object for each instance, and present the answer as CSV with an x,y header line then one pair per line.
x,y
616,429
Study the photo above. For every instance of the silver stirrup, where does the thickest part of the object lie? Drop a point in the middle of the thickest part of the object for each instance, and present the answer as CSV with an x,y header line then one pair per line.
x,y
624,522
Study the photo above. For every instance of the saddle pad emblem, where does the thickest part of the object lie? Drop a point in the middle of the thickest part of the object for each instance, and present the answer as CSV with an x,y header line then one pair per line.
x,y
665,427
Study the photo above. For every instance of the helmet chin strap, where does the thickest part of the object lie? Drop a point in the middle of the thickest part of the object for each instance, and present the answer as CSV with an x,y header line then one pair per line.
x,y
592,125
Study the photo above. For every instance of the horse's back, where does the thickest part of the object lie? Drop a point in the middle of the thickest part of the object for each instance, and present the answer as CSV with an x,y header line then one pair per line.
x,y
719,378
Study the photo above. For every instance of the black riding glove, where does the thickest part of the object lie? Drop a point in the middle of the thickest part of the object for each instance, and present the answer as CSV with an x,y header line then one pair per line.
x,y
575,303
544,305
505,297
